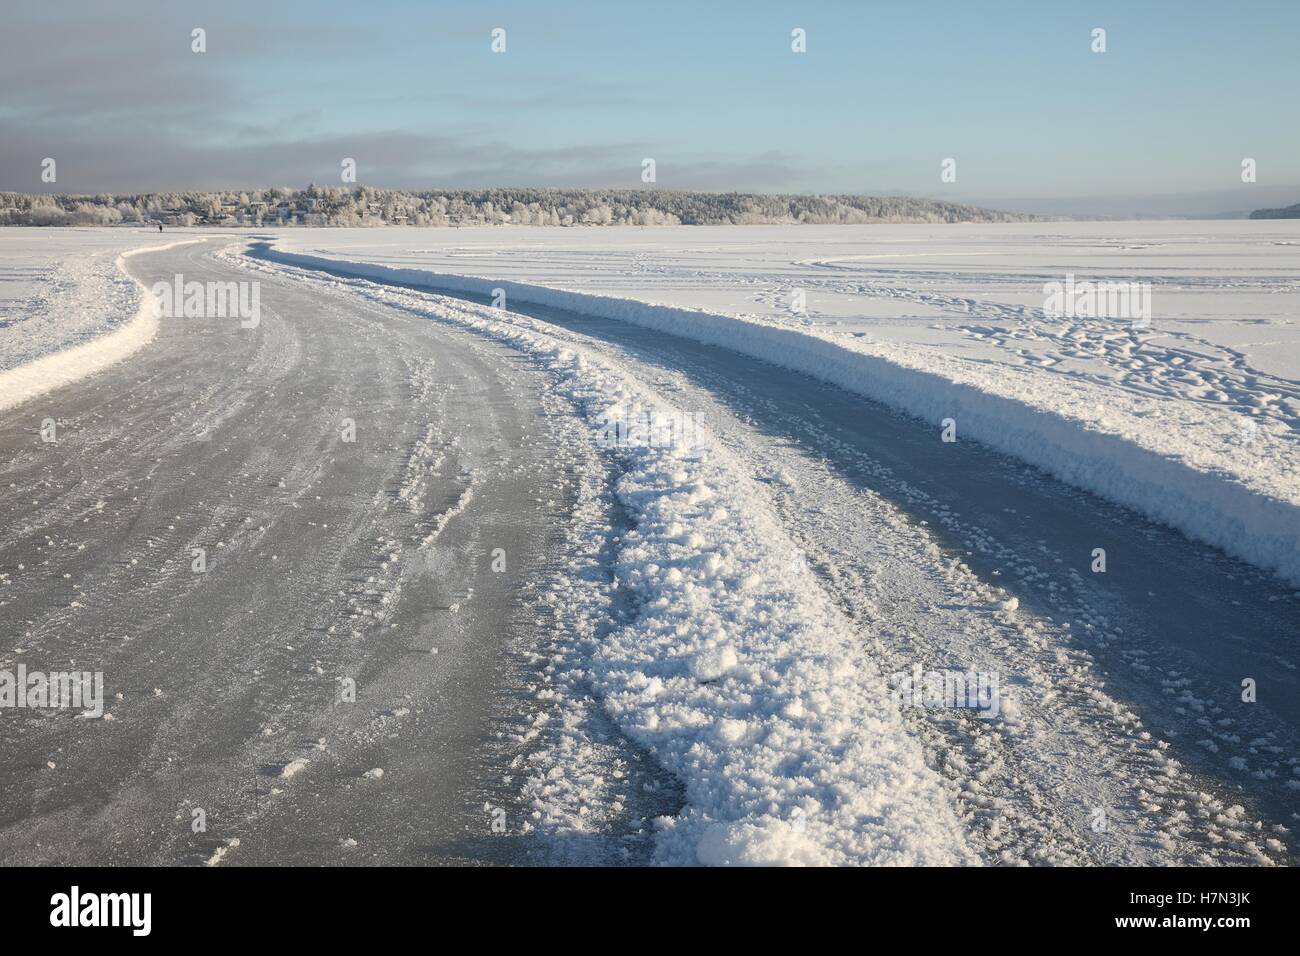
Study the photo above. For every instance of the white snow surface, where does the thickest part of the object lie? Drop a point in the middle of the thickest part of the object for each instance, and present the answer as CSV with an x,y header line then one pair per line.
x,y
67,306
1192,421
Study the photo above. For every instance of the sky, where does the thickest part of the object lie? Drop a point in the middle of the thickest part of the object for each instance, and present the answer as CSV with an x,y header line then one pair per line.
x,y
584,92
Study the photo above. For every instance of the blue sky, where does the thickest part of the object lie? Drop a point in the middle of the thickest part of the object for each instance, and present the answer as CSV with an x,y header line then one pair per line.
x,y
712,92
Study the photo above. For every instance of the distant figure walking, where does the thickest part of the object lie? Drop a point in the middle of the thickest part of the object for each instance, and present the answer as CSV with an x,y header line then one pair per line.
x,y
160,227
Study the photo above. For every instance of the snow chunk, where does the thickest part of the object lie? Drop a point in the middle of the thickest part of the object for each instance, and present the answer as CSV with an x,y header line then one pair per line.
x,y
769,843
713,662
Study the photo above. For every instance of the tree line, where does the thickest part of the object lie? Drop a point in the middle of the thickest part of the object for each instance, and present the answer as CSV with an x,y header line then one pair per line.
x,y
373,206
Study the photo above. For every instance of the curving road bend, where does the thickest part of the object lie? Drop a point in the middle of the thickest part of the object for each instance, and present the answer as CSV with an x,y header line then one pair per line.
x,y
328,564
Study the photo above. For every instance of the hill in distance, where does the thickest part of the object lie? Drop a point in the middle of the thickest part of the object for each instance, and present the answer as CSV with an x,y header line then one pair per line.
x,y
1287,212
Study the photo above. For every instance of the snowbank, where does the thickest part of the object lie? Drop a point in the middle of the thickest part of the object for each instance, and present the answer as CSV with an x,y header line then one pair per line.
x,y
49,372
1072,440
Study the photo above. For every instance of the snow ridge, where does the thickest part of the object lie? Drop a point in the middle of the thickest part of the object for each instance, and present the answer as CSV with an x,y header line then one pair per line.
x,y
41,375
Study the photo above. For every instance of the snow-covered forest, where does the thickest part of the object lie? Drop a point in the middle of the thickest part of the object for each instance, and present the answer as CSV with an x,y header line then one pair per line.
x,y
370,206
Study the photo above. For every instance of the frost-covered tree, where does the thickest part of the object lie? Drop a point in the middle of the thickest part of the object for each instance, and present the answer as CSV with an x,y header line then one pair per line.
x,y
374,206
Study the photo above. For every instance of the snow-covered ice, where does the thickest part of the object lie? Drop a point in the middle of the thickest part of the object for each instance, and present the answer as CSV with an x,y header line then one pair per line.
x,y
1192,420
67,306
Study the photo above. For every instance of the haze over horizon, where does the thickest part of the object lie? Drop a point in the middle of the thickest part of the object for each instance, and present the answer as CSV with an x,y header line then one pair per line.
x,y
583,93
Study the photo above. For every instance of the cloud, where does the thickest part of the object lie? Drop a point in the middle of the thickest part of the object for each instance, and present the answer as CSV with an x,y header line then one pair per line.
x,y
397,158
123,105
